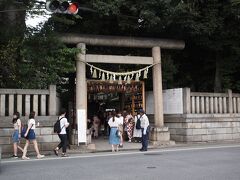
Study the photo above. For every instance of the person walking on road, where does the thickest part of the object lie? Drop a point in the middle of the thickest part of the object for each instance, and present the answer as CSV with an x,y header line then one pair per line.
x,y
63,134
30,136
145,129
16,134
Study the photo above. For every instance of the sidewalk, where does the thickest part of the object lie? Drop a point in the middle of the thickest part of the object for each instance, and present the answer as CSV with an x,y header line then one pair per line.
x,y
102,145
97,145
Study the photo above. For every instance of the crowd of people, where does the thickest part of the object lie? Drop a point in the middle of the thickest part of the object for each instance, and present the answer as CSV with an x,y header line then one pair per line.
x,y
120,126
28,133
117,125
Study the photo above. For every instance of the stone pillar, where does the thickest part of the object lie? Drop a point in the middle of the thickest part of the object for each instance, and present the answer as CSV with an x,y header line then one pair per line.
x,y
19,103
220,105
81,88
52,100
27,105
157,88
207,105
35,104
2,104
202,105
186,101
81,84
225,105
43,105
230,102
159,134
11,104
197,105
238,105
211,105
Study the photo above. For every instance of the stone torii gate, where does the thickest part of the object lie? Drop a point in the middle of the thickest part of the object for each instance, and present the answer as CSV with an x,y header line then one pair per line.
x,y
159,133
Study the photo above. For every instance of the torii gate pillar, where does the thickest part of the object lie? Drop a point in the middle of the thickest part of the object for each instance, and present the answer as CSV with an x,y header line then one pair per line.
x,y
159,134
81,94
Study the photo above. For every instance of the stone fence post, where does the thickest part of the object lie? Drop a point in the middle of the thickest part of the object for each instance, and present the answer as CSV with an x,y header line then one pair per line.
x,y
52,100
186,100
230,101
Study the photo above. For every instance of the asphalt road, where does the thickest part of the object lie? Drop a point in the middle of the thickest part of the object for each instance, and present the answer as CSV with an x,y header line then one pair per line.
x,y
198,163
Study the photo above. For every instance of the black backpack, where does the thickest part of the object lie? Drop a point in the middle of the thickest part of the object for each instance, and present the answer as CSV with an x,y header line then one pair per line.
x,y
57,126
138,123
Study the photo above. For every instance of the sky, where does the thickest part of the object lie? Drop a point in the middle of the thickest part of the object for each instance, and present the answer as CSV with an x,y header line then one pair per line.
x,y
34,21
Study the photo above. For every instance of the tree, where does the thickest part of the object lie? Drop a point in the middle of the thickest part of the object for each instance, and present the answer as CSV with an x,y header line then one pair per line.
x,y
13,27
30,57
204,25
46,61
210,29
12,32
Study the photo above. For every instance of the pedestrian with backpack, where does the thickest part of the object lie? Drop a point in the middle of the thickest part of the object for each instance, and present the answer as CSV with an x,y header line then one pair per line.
x,y
137,131
60,128
145,129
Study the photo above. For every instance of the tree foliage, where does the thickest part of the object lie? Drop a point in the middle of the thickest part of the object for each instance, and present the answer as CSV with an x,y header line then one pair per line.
x,y
46,61
30,57
210,29
8,64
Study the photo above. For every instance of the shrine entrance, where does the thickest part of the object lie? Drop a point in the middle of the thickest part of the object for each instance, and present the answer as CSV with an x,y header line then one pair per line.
x,y
159,133
103,95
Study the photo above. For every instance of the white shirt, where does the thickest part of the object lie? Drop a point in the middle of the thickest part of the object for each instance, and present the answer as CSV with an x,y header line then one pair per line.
x,y
121,120
144,121
32,123
116,122
63,124
17,124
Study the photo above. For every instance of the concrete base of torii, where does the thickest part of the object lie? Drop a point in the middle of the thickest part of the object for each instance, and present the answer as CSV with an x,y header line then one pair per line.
x,y
160,136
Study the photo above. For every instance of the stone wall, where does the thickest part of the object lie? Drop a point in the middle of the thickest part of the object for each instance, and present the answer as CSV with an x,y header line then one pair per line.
x,y
47,140
172,101
203,117
203,128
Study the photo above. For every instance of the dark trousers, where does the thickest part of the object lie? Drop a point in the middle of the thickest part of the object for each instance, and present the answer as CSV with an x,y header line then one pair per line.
x,y
63,143
144,140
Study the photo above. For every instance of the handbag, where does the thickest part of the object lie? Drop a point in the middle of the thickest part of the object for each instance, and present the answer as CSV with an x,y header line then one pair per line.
x,y
118,133
24,129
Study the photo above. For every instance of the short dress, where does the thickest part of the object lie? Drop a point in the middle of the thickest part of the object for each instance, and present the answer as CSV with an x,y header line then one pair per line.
x,y
113,138
31,134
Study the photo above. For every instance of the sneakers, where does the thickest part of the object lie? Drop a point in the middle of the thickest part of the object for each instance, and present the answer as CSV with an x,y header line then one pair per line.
x,y
40,156
14,156
64,155
25,158
121,145
55,152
